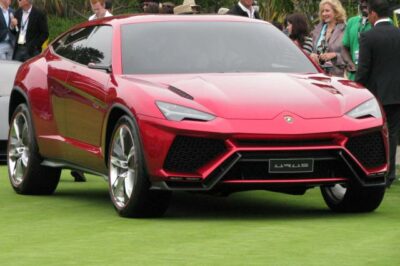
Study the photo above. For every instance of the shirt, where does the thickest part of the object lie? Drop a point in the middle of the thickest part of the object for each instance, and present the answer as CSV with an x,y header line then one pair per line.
x,y
25,19
355,26
250,12
6,15
108,14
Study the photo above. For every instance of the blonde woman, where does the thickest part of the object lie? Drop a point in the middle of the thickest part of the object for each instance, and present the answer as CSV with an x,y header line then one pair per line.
x,y
327,37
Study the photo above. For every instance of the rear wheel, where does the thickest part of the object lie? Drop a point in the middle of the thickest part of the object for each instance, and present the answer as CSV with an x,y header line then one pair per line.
x,y
27,175
128,181
352,198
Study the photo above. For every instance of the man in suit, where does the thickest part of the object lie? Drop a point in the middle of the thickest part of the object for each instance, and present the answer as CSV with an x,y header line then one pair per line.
x,y
32,30
379,70
7,37
244,8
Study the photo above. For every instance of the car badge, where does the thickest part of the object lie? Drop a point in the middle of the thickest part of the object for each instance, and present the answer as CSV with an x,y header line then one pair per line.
x,y
288,119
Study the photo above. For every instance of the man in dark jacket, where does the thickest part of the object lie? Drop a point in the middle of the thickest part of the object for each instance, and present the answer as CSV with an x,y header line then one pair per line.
x,y
244,8
7,38
379,70
32,31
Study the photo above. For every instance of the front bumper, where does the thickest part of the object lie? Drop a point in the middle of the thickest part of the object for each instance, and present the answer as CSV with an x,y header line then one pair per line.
x,y
198,156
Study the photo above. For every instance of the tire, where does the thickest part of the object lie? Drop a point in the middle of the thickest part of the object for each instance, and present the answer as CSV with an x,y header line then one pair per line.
x,y
129,184
26,174
353,198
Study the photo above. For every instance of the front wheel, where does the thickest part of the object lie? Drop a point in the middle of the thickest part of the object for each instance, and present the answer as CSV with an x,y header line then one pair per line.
x,y
352,197
128,181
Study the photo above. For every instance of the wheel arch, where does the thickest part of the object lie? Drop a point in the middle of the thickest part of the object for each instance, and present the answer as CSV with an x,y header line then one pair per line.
x,y
115,113
17,97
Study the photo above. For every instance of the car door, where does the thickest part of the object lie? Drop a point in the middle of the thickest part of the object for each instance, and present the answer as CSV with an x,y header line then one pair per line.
x,y
86,104
60,60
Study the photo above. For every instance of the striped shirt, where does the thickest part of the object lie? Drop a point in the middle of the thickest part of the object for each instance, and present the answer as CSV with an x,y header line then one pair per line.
x,y
307,45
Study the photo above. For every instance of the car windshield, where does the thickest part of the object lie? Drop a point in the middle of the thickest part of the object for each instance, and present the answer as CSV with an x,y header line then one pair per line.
x,y
209,47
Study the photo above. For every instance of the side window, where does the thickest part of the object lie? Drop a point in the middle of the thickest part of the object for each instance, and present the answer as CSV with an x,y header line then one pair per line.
x,y
72,44
87,45
99,46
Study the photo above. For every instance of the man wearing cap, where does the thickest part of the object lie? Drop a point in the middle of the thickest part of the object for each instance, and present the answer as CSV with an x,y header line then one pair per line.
x,y
355,26
244,8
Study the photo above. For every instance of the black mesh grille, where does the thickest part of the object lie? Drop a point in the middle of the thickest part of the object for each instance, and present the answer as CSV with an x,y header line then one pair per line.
x,y
187,154
368,149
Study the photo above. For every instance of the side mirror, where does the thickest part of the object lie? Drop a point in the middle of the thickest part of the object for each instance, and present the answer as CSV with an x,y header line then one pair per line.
x,y
106,68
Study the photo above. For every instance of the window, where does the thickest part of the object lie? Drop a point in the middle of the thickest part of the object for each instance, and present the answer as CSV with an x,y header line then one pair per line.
x,y
87,45
209,47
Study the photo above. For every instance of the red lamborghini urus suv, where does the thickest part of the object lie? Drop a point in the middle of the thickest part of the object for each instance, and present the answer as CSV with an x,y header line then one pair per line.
x,y
215,104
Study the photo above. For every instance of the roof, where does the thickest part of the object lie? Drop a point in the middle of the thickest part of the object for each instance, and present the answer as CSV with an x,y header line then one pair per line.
x,y
143,18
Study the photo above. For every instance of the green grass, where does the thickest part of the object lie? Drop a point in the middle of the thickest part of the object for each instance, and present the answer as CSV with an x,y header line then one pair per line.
x,y
78,226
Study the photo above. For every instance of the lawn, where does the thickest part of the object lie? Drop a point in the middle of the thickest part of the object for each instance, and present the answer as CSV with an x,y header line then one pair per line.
x,y
78,226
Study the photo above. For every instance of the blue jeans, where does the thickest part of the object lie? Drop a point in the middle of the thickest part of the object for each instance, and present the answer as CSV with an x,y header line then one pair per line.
x,y
6,51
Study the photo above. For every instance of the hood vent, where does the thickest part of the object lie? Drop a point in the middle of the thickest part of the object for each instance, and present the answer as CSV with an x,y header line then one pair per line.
x,y
181,93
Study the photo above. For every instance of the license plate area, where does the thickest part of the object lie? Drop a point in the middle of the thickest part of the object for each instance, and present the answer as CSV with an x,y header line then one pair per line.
x,y
293,165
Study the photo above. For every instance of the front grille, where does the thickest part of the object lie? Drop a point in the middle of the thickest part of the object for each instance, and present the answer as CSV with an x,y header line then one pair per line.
x,y
369,149
187,154
255,166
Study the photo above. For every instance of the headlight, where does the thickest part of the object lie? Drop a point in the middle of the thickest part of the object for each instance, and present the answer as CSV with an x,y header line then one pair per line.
x,y
368,108
175,112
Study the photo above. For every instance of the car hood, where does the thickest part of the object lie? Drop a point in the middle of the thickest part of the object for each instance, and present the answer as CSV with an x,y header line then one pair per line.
x,y
263,96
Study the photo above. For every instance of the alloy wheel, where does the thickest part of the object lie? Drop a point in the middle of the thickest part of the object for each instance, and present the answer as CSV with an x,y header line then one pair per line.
x,y
18,148
123,166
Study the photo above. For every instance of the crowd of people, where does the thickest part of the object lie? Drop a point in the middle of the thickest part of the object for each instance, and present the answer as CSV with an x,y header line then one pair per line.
x,y
364,48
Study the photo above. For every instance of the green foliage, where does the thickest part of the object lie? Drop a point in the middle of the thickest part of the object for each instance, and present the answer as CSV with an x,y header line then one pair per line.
x,y
58,25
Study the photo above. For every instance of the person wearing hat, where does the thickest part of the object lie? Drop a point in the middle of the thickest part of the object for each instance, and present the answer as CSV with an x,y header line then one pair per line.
x,y
355,26
187,7
244,8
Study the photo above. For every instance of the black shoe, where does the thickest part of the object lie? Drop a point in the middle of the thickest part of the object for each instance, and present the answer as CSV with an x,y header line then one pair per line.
x,y
79,176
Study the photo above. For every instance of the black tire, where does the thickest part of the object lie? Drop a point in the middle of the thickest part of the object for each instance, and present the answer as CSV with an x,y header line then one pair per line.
x,y
353,198
26,174
129,183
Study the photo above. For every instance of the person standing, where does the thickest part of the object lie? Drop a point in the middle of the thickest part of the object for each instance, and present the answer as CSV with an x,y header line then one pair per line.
x,y
244,8
297,29
379,72
355,26
32,30
7,24
167,8
99,9
327,37
151,6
